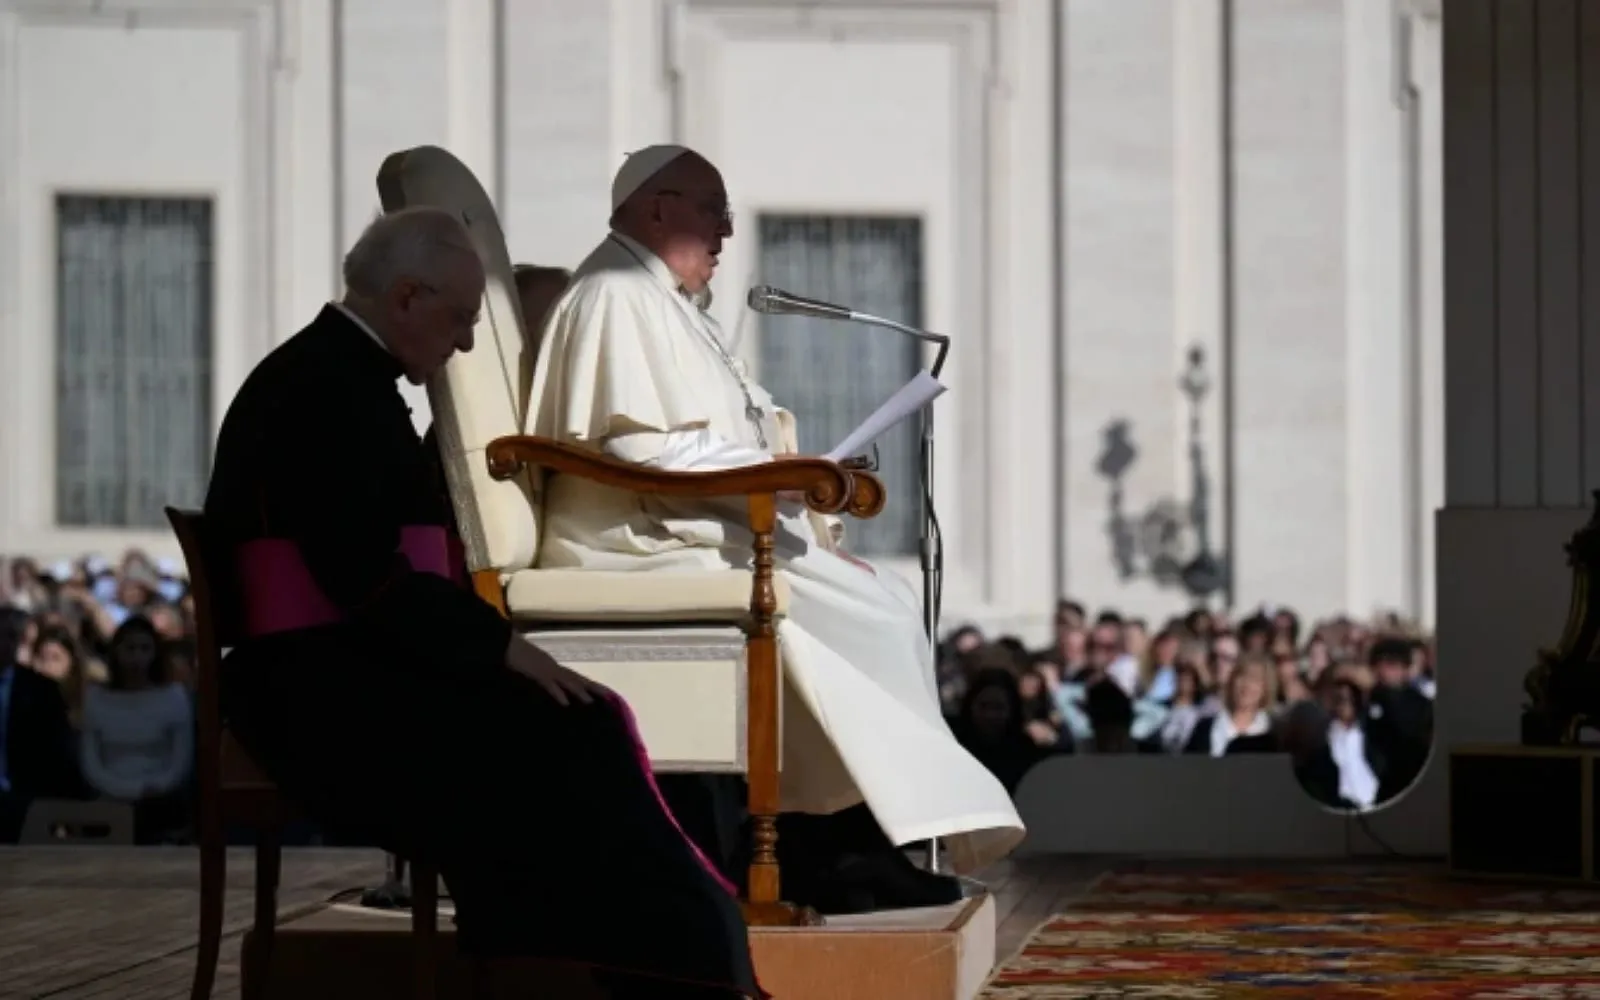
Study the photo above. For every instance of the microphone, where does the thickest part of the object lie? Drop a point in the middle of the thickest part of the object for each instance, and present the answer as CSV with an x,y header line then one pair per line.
x,y
777,302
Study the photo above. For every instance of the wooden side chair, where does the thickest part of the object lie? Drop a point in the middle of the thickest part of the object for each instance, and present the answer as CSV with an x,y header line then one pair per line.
x,y
233,790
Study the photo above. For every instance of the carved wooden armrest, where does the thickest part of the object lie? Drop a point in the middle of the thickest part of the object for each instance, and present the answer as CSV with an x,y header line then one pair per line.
x,y
828,487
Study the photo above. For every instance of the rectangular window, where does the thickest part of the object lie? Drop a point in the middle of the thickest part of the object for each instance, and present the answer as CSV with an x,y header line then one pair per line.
x,y
832,375
134,295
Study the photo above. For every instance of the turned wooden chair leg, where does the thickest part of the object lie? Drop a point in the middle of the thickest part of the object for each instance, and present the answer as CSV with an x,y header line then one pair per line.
x,y
269,867
764,906
213,882
424,928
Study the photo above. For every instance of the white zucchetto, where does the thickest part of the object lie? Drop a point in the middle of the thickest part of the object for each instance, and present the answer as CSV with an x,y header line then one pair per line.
x,y
639,167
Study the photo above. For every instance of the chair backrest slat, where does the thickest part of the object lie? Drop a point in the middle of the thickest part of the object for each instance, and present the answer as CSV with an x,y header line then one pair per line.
x,y
190,527
482,394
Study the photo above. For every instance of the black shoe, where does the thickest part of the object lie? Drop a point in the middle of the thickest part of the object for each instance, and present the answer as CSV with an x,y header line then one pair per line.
x,y
828,892
866,882
947,888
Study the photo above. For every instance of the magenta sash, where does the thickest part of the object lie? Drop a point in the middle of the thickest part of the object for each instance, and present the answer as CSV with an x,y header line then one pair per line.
x,y
281,595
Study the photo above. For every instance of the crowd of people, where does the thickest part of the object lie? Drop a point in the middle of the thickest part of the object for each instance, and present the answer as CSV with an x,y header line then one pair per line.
x,y
1350,702
96,670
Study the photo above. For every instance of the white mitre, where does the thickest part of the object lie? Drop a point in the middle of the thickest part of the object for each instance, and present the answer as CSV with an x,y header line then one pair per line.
x,y
639,167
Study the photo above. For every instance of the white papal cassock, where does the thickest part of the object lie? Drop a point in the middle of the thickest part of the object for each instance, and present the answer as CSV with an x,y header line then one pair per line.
x,y
632,365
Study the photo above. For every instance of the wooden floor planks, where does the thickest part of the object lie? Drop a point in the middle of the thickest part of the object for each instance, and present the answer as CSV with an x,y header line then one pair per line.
x,y
114,923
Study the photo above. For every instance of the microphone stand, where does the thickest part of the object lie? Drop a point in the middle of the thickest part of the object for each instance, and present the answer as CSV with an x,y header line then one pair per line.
x,y
931,545
395,892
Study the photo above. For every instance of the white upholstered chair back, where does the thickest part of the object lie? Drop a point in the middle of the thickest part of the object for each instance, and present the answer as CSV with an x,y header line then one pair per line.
x,y
482,394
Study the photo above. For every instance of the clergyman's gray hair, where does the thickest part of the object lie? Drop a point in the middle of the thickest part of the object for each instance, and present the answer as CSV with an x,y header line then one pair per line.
x,y
409,243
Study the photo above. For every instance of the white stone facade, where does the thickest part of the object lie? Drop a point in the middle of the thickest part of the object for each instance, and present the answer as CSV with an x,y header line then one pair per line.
x,y
1068,163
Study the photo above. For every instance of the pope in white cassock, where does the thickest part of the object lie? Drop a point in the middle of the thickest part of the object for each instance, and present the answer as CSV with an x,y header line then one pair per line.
x,y
632,364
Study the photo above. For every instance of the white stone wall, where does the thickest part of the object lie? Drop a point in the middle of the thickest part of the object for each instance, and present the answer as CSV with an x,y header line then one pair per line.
x,y
946,109
1123,334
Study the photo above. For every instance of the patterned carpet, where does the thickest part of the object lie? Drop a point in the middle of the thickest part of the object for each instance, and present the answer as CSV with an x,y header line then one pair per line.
x,y
1327,932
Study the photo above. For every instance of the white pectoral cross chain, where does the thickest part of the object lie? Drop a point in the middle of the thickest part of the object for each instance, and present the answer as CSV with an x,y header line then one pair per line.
x,y
752,412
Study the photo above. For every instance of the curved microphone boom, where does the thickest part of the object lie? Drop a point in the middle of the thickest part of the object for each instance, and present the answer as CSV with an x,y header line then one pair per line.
x,y
777,302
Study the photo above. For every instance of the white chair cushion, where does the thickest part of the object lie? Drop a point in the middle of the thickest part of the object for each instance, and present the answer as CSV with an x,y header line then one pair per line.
x,y
583,595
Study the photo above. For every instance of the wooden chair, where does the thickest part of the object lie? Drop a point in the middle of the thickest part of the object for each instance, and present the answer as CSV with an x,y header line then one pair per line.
x,y
695,654
233,790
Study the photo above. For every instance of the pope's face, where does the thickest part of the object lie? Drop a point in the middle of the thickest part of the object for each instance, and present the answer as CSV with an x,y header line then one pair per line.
x,y
693,218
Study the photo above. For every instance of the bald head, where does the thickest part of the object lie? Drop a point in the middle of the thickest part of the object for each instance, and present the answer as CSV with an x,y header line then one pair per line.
x,y
680,212
414,276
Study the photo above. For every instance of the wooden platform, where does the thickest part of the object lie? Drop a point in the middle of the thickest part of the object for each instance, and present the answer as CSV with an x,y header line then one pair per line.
x,y
119,923
938,953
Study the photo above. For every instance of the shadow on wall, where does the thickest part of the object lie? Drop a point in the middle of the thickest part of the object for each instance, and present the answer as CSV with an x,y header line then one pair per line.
x,y
1167,542
1170,541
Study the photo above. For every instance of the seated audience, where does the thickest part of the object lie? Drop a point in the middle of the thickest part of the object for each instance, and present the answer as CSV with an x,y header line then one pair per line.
x,y
36,754
138,733
1358,758
1303,735
1111,718
1158,673
1191,700
1399,716
991,727
1349,701
55,654
1244,711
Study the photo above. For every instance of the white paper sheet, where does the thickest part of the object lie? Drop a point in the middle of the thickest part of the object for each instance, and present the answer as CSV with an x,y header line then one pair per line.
x,y
907,400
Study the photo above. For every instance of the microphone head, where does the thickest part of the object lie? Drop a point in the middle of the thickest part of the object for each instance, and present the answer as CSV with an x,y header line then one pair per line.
x,y
776,301
761,298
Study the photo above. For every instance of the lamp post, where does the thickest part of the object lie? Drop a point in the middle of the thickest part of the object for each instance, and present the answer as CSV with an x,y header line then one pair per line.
x,y
1207,572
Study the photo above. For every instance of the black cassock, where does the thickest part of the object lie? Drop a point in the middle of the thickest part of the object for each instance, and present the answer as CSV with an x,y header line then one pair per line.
x,y
399,723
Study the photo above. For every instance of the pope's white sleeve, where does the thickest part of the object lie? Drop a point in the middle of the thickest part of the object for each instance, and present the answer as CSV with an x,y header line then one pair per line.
x,y
694,451
684,451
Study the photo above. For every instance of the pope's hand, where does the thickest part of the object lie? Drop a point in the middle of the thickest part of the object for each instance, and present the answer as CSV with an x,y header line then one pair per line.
x,y
540,667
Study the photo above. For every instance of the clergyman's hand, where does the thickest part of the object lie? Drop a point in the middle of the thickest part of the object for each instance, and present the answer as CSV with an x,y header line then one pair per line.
x,y
560,683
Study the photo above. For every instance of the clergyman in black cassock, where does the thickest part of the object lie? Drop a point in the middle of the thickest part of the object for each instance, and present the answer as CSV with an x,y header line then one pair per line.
x,y
376,691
